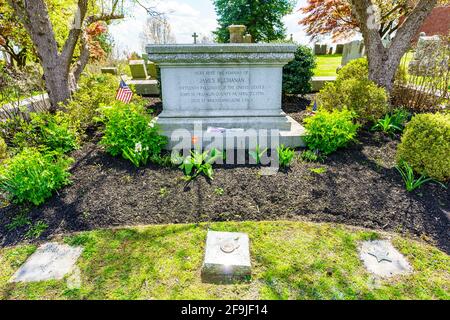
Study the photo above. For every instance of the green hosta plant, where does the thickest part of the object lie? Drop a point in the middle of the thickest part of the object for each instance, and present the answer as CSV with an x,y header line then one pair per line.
x,y
285,156
32,176
407,173
392,123
329,131
131,133
257,154
200,163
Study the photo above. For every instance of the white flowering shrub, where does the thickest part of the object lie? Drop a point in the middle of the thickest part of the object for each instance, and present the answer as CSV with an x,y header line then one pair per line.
x,y
131,133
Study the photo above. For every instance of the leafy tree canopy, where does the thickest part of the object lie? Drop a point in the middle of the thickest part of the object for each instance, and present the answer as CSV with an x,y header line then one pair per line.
x,y
263,18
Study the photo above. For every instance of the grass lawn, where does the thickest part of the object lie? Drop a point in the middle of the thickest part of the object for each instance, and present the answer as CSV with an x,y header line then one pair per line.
x,y
291,260
327,65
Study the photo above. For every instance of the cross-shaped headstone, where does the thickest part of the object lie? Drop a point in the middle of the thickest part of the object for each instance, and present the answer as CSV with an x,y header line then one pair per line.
x,y
195,36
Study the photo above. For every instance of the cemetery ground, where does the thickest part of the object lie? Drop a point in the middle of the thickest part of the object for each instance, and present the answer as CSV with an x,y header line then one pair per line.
x,y
290,260
327,65
356,186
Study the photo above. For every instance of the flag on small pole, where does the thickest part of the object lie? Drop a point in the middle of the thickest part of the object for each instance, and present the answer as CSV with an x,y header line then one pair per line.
x,y
315,108
124,92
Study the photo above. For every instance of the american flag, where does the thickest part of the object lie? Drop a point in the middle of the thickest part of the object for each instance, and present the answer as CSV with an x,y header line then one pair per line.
x,y
315,108
124,93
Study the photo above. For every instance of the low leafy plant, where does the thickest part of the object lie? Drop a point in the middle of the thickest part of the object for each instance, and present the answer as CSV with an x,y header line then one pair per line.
x,y
257,154
32,176
312,156
18,221
318,170
47,131
329,131
131,133
36,230
200,163
407,173
94,91
393,122
425,145
219,191
285,156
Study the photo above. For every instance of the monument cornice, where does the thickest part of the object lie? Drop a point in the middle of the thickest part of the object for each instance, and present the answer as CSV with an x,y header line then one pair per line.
x,y
225,54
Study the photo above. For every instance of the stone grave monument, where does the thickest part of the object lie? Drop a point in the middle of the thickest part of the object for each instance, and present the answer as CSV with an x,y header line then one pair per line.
x,y
223,90
352,50
142,82
109,70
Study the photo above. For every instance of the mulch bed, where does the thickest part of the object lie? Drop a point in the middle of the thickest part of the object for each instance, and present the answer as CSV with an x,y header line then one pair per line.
x,y
360,187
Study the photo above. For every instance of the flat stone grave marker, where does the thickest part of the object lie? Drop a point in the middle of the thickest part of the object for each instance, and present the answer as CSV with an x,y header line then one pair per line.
x,y
227,257
382,259
51,261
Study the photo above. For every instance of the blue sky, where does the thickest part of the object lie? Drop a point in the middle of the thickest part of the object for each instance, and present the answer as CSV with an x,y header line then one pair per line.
x,y
185,17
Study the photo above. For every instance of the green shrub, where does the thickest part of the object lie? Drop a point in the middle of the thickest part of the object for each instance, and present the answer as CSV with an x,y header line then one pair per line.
x,y
95,91
355,69
328,131
32,176
48,131
425,145
298,73
3,149
364,97
130,132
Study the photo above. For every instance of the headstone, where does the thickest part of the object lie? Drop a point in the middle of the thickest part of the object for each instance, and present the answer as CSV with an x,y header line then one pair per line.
x,y
109,70
227,257
151,70
382,259
352,50
50,261
247,38
224,86
142,83
320,49
138,69
237,33
428,57
339,49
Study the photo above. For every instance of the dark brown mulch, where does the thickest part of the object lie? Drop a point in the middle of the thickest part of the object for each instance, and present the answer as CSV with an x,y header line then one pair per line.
x,y
360,188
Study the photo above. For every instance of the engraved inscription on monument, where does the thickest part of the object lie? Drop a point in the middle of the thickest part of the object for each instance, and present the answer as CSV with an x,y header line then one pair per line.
x,y
222,88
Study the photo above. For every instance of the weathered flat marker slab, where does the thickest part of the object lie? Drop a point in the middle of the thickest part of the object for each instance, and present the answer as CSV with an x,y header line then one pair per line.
x,y
51,261
382,259
227,257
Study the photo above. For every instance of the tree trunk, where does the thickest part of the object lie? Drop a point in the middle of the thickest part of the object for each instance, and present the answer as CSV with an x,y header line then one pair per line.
x,y
384,62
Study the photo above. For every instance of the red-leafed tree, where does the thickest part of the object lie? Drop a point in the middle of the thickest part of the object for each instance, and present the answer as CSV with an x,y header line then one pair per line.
x,y
336,18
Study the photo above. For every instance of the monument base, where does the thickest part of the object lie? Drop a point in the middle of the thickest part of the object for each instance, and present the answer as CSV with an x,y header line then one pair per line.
x,y
232,132
145,87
